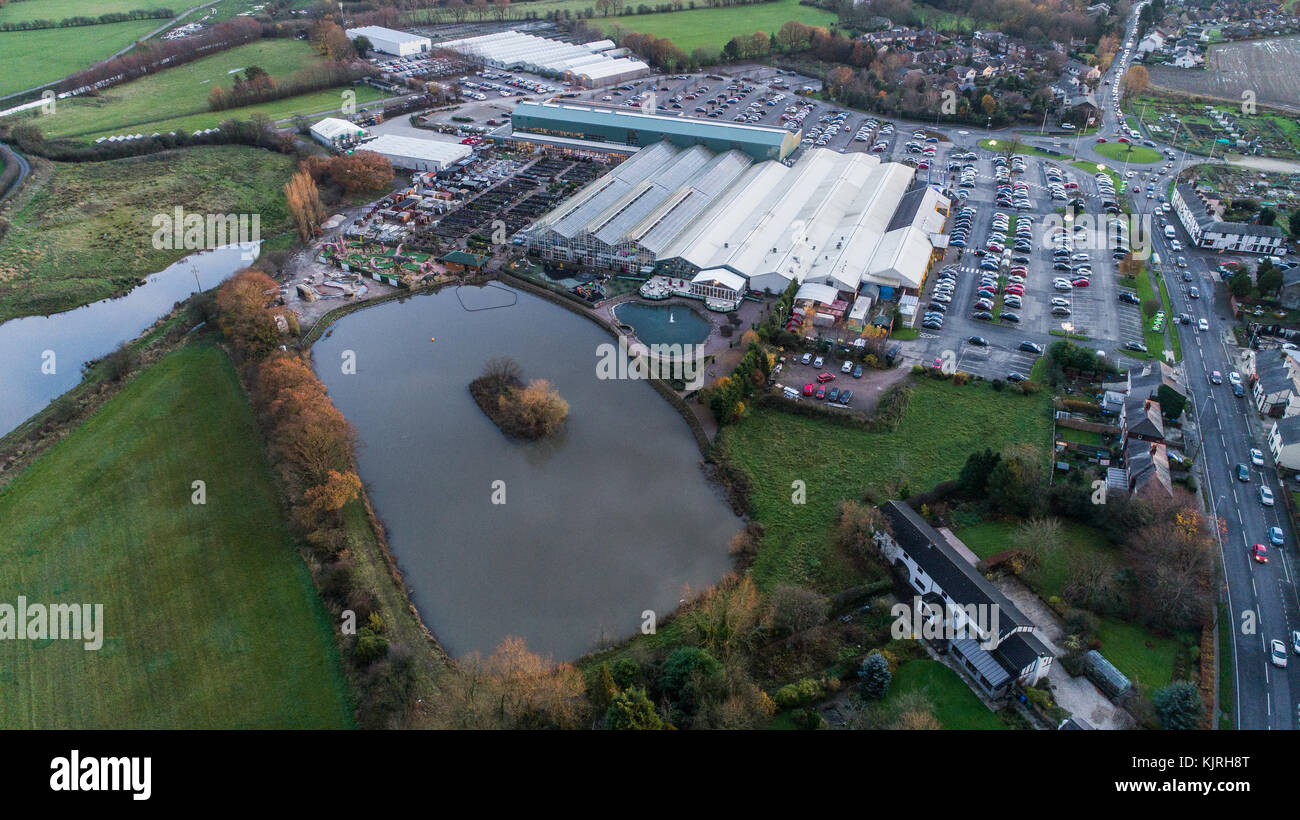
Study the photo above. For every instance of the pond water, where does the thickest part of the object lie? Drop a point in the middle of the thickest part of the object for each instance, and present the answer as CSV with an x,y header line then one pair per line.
x,y
41,356
609,519
664,324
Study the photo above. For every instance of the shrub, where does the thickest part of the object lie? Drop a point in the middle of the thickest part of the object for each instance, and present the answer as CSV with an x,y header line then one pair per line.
x,y
632,710
874,677
800,693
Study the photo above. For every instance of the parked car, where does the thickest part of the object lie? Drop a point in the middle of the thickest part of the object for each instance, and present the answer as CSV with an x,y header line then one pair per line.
x,y
847,367
806,358
808,389
857,372
1256,457
818,362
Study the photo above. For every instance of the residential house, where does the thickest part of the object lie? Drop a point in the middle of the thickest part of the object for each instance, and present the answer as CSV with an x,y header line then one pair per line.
x,y
1146,466
941,576
1154,41
1284,442
1290,294
1201,217
1274,383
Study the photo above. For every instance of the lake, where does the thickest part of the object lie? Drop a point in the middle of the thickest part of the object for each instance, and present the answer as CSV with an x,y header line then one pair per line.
x,y
609,519
42,355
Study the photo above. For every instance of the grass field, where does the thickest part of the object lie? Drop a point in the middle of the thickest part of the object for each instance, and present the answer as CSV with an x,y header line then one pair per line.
x,y
85,231
61,9
211,619
941,427
32,58
1121,152
712,28
1144,657
178,97
991,537
955,705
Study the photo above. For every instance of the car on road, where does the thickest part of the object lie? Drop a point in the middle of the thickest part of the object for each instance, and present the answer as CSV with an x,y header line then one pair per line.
x,y
1295,641
1278,654
1013,376
1203,325
1031,347
1275,536
1256,457
1234,378
1243,473
1216,377
1265,496
1193,292
1260,553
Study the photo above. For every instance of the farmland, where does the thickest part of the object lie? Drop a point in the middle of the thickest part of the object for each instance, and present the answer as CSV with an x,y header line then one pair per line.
x,y
210,617
177,98
943,425
33,58
83,231
712,28
60,9
1270,69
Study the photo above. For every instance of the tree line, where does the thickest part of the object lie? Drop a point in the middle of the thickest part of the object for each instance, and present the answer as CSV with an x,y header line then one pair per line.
x,y
73,22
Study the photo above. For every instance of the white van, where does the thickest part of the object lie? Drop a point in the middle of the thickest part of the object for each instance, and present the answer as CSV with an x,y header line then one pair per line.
x,y
1170,233
790,393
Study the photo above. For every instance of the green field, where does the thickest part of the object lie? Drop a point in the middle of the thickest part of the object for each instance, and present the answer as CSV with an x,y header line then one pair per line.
x,y
60,9
178,97
955,705
32,58
943,424
211,619
1121,152
85,231
712,28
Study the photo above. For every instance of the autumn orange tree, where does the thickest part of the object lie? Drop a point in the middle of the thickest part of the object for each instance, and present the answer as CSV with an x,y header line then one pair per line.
x,y
305,208
244,313
361,171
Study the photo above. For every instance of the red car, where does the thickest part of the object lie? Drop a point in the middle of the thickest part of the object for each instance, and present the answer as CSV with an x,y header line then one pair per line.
x,y
1123,139
1080,283
1260,553
821,392
808,389
1015,290
825,377
1101,139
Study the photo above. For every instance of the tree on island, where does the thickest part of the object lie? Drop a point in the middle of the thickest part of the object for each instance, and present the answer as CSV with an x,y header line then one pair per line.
x,y
529,411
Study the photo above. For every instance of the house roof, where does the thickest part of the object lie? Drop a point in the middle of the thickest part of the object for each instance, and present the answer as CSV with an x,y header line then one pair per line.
x,y
941,561
464,258
1288,429
1148,467
1207,221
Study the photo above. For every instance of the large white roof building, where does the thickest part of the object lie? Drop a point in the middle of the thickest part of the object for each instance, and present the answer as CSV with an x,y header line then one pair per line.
x,y
516,51
390,41
835,219
415,153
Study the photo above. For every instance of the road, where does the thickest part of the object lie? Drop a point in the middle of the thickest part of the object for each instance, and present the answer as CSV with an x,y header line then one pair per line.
x,y
24,168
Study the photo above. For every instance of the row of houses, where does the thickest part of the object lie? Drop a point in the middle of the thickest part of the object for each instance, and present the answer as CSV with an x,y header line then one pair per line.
x,y
1201,213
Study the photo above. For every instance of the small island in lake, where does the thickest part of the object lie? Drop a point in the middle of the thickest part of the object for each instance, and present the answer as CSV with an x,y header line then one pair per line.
x,y
528,411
